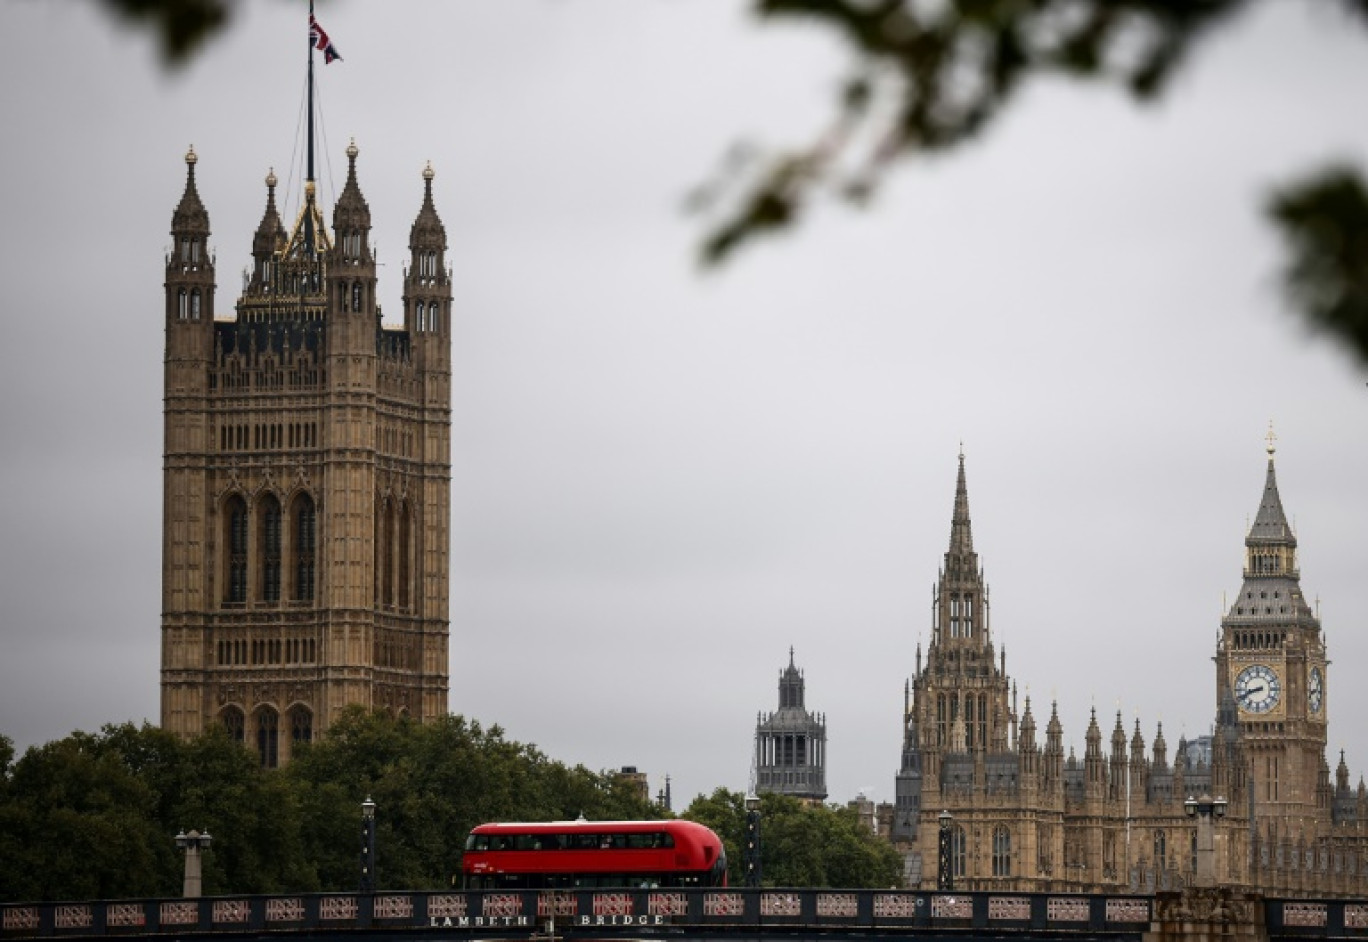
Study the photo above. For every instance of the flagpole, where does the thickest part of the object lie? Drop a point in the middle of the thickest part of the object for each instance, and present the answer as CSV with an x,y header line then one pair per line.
x,y
309,180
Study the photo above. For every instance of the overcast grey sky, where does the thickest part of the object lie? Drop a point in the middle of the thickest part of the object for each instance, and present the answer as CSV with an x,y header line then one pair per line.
x,y
662,479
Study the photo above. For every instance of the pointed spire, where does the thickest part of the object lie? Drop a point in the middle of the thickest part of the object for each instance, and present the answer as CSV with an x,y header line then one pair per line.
x,y
1054,731
791,685
1028,726
1094,735
1160,751
961,532
1270,524
352,209
427,231
190,216
271,231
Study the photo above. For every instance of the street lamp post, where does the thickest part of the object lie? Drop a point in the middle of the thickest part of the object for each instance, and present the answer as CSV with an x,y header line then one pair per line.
x,y
368,846
192,844
751,860
945,877
1206,810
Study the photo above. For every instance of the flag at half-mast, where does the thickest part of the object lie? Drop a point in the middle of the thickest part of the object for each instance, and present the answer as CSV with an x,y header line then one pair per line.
x,y
320,40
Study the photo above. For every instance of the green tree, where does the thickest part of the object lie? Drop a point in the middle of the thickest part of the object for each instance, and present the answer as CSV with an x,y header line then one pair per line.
x,y
801,845
93,816
75,822
432,783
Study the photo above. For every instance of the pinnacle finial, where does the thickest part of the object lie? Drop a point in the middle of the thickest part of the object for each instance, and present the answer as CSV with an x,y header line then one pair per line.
x,y
271,180
428,172
190,157
1271,438
352,150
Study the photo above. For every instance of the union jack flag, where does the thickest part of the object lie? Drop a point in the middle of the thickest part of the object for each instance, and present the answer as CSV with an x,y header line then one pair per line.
x,y
319,40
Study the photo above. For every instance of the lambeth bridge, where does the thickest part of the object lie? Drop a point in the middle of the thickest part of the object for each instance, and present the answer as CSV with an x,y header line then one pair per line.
x,y
1193,915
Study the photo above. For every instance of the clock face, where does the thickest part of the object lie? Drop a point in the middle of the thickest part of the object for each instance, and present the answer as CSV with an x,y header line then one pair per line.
x,y
1257,689
1315,690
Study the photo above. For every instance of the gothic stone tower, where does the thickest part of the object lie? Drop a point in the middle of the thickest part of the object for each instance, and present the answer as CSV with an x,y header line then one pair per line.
x,y
1270,662
306,478
960,737
790,744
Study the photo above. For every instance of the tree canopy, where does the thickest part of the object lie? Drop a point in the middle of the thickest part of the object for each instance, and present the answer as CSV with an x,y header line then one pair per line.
x,y
801,845
93,816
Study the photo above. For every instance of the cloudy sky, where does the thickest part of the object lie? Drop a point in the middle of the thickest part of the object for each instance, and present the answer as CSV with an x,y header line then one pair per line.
x,y
664,478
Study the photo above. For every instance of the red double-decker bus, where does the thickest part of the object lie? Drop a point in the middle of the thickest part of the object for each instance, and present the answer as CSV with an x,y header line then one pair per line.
x,y
574,854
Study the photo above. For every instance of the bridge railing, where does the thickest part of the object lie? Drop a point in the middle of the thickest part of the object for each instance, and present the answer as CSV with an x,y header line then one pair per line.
x,y
630,911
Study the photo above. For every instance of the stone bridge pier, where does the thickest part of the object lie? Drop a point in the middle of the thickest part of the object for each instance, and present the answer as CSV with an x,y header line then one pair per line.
x,y
1208,914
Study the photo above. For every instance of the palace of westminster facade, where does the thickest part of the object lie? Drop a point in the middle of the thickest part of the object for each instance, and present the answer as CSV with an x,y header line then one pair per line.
x,y
1024,816
305,569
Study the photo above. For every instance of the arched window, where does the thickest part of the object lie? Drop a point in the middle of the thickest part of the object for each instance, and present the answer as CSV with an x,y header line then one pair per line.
x,y
235,541
183,305
268,737
304,548
959,847
1160,850
385,546
234,722
301,725
356,296
195,305
270,549
405,555
1002,852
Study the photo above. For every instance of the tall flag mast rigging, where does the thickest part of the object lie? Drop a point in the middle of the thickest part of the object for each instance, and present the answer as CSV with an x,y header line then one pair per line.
x,y
318,39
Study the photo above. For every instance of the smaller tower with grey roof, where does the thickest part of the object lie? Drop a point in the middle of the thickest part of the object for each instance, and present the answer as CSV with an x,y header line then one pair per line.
x,y
790,743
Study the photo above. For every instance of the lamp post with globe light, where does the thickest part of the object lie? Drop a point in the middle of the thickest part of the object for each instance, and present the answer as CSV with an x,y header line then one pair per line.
x,y
1206,810
192,844
368,845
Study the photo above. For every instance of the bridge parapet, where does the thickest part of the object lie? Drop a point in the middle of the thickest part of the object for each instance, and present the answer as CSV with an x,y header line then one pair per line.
x,y
1195,915
588,912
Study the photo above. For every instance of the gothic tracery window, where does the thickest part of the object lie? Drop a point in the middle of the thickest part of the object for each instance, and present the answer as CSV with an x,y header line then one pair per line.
x,y
959,847
235,541
233,721
1002,851
270,549
301,725
268,737
385,549
405,555
304,548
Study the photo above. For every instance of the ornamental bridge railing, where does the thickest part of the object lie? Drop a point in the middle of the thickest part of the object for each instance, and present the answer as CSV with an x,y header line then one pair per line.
x,y
567,913
715,913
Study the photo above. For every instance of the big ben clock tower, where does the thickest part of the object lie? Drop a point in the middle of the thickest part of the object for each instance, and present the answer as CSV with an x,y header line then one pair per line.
x,y
1271,663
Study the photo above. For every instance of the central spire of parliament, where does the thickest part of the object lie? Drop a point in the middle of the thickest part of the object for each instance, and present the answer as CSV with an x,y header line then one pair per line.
x,y
306,473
